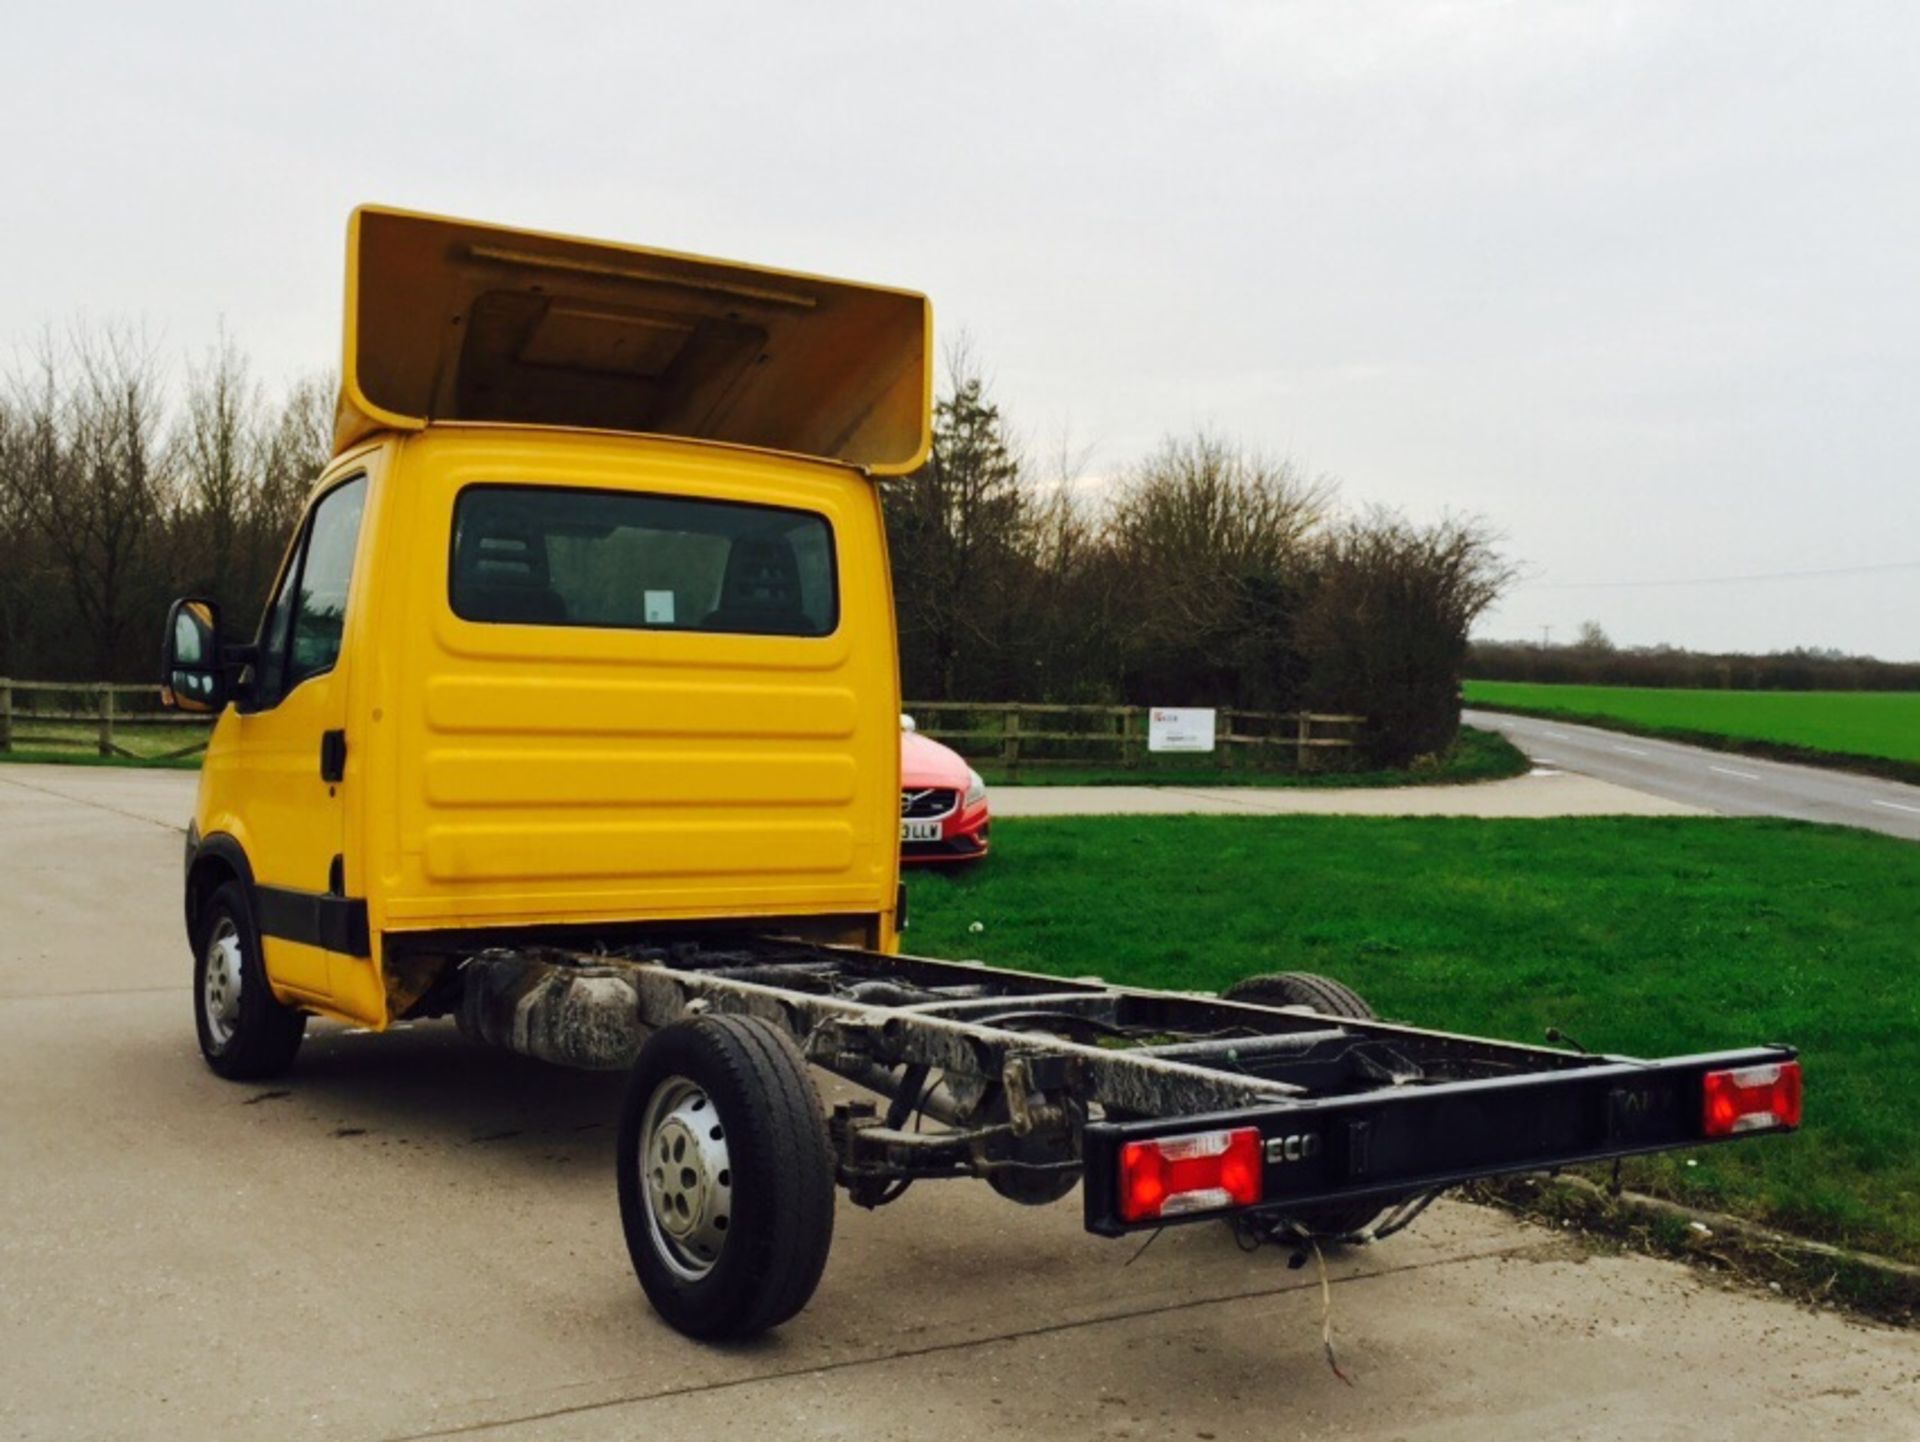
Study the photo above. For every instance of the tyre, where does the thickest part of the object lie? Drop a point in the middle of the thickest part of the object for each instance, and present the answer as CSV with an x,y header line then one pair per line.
x,y
246,1033
726,1176
1301,988
1330,998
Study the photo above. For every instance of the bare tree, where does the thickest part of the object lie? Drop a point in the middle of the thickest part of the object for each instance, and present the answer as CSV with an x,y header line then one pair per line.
x,y
1593,638
90,473
217,467
1385,633
21,573
1212,539
295,442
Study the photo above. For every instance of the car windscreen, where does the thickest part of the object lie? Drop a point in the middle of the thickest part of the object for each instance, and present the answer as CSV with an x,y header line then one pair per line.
x,y
548,556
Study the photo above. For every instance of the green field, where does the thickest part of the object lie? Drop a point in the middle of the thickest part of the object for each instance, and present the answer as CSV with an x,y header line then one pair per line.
x,y
1648,937
1882,725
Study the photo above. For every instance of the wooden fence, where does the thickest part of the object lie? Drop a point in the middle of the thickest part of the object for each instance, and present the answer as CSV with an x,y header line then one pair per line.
x,y
90,715
48,714
1017,733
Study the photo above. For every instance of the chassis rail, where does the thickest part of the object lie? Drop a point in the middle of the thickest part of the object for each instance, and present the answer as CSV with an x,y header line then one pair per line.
x,y
1036,1082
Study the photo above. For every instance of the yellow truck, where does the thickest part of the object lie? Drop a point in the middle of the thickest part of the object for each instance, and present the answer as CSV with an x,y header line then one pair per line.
x,y
573,715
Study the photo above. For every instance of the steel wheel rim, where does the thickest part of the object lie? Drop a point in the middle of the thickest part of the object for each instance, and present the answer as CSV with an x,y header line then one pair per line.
x,y
221,982
686,1178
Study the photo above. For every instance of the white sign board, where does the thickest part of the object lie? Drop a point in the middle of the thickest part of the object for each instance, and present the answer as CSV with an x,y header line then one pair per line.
x,y
1186,728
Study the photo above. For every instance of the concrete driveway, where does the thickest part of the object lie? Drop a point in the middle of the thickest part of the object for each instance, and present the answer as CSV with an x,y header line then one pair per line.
x,y
411,1237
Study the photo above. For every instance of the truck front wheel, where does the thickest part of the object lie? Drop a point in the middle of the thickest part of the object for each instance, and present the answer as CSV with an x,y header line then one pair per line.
x,y
246,1033
726,1176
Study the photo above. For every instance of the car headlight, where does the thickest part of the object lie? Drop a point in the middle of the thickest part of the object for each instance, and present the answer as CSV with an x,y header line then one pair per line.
x,y
976,788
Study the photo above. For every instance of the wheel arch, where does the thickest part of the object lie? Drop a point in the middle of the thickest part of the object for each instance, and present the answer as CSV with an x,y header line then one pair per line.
x,y
215,860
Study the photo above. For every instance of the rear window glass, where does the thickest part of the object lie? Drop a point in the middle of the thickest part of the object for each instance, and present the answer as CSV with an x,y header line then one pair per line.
x,y
544,556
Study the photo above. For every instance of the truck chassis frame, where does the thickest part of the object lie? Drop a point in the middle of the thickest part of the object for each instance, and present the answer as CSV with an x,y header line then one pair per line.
x,y
1036,1082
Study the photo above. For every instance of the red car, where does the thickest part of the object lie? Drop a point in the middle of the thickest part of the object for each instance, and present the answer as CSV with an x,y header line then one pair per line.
x,y
943,802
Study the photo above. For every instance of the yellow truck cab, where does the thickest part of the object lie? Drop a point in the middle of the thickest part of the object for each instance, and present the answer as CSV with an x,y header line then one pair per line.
x,y
573,716
587,624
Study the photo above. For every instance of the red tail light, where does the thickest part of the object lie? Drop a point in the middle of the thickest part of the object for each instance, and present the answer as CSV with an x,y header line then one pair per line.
x,y
1200,1172
1750,1099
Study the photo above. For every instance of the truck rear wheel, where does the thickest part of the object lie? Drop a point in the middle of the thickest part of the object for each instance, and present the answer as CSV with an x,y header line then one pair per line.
x,y
726,1176
246,1033
1330,998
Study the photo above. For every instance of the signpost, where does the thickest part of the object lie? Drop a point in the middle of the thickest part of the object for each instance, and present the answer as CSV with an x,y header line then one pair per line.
x,y
1182,728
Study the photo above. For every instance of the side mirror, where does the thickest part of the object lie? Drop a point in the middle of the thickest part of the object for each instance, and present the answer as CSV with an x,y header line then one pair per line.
x,y
193,674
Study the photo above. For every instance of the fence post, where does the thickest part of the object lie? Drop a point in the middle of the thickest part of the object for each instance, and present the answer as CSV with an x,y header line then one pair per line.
x,y
6,714
1010,743
1225,739
106,719
1130,738
1302,734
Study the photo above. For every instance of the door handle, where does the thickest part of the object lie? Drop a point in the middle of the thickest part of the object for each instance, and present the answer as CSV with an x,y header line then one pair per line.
x,y
333,756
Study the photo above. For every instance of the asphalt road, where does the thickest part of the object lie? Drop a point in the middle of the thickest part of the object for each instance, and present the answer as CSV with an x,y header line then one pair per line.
x,y
1537,795
412,1237
1720,781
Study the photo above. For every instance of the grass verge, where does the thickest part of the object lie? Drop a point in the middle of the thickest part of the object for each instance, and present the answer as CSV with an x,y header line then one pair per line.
x,y
1642,936
1476,756
81,758
78,744
1873,732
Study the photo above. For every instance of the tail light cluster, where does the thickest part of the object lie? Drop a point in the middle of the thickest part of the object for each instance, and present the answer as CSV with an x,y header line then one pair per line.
x,y
1750,1099
1198,1172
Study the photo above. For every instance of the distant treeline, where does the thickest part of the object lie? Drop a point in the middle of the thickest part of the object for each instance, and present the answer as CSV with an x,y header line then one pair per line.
x,y
1593,661
1203,574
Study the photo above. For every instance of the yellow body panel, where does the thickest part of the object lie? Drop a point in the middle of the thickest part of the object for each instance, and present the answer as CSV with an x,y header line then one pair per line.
x,y
505,775
544,773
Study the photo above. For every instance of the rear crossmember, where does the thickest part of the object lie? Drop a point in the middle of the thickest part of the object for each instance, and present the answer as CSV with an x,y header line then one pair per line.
x,y
1172,1107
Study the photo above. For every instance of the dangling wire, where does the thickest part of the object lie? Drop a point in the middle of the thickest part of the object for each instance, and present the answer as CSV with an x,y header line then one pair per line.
x,y
1326,1313
1152,1237
1401,1218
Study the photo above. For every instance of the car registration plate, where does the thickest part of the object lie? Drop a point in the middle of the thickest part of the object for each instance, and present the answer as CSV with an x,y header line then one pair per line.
x,y
919,830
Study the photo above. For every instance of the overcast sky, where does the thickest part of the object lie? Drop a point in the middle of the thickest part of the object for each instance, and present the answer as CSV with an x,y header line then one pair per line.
x,y
1637,282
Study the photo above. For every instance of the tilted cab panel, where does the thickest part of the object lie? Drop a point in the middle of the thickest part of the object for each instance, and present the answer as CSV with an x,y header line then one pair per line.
x,y
454,320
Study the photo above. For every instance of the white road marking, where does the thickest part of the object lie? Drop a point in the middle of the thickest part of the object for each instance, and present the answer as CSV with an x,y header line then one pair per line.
x,y
1898,806
1729,771
1629,751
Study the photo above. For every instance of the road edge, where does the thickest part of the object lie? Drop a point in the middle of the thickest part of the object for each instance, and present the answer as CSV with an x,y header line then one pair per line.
x,y
1863,1284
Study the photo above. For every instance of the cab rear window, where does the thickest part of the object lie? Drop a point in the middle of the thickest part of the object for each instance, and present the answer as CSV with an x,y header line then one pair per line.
x,y
546,556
